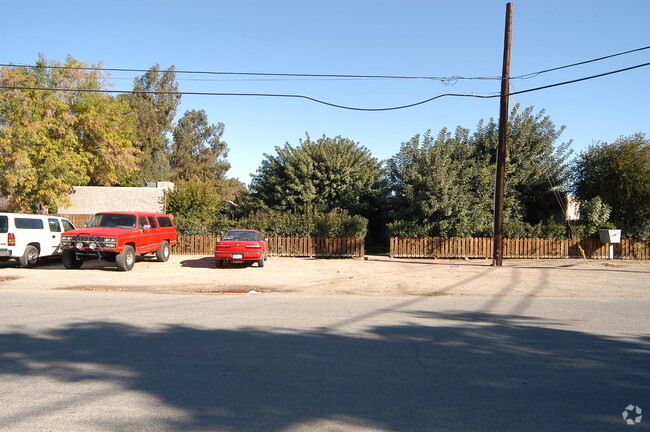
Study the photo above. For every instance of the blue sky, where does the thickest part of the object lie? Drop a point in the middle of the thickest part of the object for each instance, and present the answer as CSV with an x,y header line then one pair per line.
x,y
374,37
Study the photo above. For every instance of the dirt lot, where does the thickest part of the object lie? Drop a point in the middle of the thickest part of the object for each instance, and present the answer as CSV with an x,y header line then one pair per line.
x,y
373,276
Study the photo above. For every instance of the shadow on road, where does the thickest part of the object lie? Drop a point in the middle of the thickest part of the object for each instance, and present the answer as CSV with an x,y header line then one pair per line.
x,y
474,372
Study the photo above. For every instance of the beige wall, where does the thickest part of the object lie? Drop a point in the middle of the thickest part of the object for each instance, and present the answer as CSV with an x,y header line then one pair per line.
x,y
93,199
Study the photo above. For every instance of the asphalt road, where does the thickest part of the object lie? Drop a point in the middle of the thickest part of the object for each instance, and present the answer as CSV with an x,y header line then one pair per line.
x,y
111,361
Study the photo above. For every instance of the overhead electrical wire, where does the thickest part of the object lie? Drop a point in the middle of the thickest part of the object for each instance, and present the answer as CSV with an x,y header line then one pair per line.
x,y
534,74
298,96
443,79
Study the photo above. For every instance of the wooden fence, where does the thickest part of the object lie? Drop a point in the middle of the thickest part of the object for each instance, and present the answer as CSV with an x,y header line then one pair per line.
x,y
434,247
282,246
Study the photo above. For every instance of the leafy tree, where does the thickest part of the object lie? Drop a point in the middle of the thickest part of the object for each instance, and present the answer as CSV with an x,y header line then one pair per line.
x,y
618,173
324,174
197,150
444,186
437,188
154,104
51,140
537,170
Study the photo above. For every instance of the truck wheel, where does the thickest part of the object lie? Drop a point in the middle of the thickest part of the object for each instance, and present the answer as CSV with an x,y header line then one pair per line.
x,y
30,257
126,259
162,254
70,260
260,262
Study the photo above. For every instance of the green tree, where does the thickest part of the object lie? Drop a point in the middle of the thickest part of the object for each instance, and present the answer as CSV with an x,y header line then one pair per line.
x,y
537,170
52,139
324,174
444,186
437,188
618,173
154,103
197,150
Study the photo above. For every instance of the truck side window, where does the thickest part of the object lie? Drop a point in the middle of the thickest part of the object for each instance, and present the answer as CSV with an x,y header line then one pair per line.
x,y
152,222
67,225
165,222
28,223
142,221
54,225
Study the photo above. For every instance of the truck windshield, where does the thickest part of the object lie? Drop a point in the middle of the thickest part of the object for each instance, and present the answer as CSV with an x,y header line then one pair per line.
x,y
106,220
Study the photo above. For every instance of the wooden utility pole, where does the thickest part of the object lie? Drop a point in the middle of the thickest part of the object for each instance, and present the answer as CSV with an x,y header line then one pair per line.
x,y
499,190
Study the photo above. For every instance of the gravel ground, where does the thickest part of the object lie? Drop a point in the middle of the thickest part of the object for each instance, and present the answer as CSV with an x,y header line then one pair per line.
x,y
373,276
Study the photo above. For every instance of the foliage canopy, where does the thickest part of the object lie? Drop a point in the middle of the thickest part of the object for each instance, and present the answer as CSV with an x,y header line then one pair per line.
x,y
51,140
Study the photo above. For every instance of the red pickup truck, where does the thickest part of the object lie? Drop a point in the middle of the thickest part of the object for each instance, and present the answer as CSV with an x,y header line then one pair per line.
x,y
119,237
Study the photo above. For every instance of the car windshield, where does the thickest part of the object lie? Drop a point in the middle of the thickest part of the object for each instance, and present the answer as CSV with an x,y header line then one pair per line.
x,y
240,235
106,220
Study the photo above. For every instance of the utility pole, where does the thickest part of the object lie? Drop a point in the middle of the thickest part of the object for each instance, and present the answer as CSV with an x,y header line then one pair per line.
x,y
499,190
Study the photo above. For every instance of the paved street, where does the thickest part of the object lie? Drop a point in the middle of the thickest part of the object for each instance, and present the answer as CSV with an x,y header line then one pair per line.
x,y
111,361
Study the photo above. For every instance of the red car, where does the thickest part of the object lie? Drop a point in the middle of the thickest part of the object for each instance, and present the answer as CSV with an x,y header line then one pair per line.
x,y
240,246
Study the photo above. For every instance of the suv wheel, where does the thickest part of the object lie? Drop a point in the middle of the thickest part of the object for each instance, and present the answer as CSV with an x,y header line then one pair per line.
x,y
30,257
163,253
70,260
126,259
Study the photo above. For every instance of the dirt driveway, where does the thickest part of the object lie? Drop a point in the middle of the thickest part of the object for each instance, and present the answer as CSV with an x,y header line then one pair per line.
x,y
373,276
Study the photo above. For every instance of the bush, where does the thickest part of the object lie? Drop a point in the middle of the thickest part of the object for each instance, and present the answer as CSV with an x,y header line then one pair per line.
x,y
337,223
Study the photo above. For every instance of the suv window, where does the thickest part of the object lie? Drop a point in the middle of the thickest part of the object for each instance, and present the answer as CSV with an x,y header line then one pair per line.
x,y
26,223
54,225
142,221
152,222
165,222
67,225
4,224
108,220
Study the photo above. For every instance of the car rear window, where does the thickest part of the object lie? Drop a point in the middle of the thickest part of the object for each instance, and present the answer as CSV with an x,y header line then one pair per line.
x,y
27,223
4,224
240,236
165,222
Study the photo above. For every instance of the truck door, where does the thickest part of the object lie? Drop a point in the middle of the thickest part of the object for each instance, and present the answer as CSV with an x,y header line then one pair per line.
x,y
51,244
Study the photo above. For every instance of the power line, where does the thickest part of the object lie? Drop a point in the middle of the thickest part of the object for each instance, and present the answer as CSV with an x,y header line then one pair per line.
x,y
298,96
270,74
444,79
534,74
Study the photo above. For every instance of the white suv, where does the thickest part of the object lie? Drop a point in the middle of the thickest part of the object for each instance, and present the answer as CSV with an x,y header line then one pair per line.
x,y
26,237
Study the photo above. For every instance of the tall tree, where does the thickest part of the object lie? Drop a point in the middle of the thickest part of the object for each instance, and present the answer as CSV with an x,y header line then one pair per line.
x,y
198,151
53,139
324,174
445,186
618,173
154,102
437,188
537,169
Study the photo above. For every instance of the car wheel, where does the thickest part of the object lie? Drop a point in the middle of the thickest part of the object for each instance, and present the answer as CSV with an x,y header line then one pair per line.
x,y
218,263
260,262
70,260
126,260
163,253
30,257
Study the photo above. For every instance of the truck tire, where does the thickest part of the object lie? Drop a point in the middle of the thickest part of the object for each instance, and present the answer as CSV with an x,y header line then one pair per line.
x,y
30,257
126,259
163,253
70,260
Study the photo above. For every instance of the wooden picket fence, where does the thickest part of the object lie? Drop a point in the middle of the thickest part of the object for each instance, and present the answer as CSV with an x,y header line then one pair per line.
x,y
281,246
435,247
